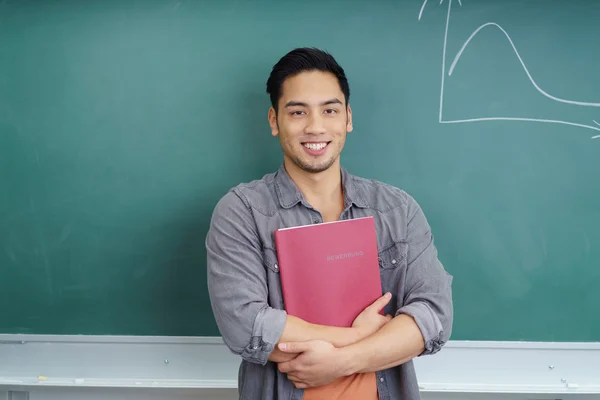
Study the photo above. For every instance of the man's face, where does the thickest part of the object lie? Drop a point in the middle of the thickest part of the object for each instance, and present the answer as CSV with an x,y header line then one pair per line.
x,y
312,121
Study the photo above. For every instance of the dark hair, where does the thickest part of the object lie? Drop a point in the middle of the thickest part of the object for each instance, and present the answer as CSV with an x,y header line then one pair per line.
x,y
300,60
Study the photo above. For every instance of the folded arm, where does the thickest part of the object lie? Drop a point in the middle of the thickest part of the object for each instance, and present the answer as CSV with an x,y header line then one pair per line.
x,y
298,330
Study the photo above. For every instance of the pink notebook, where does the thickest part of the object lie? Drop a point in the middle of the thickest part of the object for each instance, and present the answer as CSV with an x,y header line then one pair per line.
x,y
330,271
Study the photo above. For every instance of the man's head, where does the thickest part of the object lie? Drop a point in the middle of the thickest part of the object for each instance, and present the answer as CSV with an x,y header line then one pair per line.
x,y
310,112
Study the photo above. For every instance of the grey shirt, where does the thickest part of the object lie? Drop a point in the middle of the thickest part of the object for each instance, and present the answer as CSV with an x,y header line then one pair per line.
x,y
245,290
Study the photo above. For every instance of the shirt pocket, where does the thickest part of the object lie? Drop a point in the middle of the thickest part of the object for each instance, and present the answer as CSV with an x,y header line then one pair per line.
x,y
273,278
392,267
270,260
393,256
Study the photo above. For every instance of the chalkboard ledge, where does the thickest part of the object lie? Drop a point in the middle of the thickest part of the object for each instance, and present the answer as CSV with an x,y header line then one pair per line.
x,y
206,363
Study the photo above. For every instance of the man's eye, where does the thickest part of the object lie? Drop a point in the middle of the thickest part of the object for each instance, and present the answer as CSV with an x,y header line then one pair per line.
x,y
331,111
297,112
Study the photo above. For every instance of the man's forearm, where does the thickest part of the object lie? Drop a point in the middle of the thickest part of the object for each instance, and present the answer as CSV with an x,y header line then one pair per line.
x,y
298,330
399,341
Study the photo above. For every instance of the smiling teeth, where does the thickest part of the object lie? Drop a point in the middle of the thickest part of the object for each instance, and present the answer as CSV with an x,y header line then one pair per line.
x,y
315,146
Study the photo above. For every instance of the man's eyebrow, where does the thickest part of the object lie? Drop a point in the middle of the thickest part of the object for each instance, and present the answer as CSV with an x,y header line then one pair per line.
x,y
335,100
293,103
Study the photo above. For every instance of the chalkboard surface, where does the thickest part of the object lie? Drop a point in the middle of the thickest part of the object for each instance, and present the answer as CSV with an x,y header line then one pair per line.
x,y
123,123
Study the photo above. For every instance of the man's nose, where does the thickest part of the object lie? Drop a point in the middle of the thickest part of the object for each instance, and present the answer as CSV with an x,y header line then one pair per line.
x,y
315,125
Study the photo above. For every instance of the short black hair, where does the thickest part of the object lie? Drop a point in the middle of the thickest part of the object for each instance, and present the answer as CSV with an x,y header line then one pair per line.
x,y
304,59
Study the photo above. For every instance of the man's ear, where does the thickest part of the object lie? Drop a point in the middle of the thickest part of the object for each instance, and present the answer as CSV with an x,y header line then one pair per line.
x,y
349,126
273,122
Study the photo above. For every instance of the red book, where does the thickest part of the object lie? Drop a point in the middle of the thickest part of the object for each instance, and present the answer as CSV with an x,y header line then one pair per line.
x,y
330,271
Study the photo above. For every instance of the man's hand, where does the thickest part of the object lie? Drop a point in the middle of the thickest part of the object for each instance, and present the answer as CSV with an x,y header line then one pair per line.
x,y
317,363
370,319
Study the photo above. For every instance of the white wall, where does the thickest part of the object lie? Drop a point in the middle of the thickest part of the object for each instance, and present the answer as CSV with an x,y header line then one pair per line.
x,y
130,368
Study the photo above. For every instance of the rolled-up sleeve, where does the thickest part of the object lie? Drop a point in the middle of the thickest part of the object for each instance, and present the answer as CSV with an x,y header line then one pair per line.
x,y
428,289
237,282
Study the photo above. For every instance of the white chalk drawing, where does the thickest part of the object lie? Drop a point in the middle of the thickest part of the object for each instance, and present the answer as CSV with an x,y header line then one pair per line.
x,y
595,127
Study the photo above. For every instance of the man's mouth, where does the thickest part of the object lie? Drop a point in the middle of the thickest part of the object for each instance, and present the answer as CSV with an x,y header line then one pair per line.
x,y
316,146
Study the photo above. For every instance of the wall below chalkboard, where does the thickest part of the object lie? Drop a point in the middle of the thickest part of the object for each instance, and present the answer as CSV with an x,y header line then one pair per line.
x,y
179,367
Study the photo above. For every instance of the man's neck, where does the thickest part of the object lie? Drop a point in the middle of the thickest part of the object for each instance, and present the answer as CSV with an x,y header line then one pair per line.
x,y
322,190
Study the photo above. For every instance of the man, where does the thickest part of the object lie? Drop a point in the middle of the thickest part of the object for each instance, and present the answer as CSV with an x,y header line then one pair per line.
x,y
284,357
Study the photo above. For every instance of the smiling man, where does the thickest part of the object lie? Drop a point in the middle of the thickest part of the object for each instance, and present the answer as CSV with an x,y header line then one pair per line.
x,y
284,357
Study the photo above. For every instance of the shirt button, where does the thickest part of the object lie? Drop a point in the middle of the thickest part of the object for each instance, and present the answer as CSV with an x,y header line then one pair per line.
x,y
276,267
394,261
381,379
315,221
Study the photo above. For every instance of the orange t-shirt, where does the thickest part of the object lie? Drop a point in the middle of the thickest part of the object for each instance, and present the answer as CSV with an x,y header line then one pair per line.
x,y
353,387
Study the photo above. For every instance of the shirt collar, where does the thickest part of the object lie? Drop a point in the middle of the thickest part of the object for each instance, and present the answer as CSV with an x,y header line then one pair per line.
x,y
289,194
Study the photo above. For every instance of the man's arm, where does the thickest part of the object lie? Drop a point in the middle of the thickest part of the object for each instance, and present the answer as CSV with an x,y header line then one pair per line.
x,y
237,286
318,363
298,330
401,340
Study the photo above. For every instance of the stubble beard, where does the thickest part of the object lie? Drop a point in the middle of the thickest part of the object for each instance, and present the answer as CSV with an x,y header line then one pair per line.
x,y
313,168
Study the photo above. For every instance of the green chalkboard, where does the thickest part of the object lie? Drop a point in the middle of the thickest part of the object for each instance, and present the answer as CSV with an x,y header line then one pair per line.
x,y
123,122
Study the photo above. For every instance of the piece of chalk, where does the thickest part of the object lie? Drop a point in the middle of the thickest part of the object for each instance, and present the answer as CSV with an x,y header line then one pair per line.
x,y
42,378
79,380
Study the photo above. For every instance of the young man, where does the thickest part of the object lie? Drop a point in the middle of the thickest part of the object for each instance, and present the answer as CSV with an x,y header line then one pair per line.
x,y
284,357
